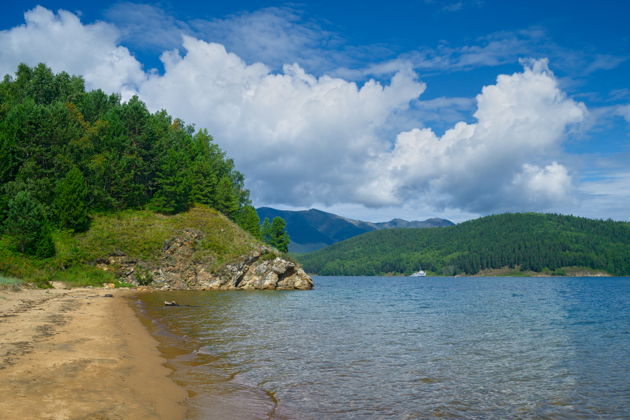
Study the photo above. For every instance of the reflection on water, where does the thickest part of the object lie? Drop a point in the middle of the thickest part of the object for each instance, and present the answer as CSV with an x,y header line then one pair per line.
x,y
383,347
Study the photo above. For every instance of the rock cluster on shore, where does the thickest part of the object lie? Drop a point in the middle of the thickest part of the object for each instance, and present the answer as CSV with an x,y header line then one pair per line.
x,y
182,267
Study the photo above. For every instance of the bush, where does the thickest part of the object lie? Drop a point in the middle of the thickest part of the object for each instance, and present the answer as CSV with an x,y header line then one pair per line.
x,y
26,223
70,204
144,277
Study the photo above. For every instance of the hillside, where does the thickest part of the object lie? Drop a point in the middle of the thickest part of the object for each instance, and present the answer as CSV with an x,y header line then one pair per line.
x,y
93,189
136,234
313,229
140,247
525,241
75,151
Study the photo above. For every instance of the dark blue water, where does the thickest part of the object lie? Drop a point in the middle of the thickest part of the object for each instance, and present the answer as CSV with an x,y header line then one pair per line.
x,y
403,348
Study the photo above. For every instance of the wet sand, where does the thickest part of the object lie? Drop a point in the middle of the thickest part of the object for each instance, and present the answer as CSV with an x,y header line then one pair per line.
x,y
76,354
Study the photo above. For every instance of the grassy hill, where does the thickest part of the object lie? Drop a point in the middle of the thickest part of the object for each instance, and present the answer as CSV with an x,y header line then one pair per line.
x,y
85,177
522,241
139,234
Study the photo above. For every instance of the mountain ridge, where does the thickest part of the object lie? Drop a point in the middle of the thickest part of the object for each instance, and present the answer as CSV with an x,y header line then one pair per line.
x,y
550,244
314,229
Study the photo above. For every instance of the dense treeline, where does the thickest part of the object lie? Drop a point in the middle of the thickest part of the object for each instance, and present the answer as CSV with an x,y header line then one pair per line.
x,y
527,241
66,153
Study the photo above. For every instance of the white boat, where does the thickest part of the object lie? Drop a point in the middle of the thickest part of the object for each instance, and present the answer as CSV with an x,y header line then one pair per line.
x,y
419,273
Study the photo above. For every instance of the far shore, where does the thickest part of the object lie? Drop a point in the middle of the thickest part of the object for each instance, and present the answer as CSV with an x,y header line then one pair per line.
x,y
510,272
78,354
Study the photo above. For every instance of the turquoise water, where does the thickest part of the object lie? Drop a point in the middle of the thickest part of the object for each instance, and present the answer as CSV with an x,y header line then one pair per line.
x,y
402,348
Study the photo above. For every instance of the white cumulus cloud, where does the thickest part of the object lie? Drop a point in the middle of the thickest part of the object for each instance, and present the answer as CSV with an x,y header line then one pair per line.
x,y
546,185
302,139
489,164
299,138
63,43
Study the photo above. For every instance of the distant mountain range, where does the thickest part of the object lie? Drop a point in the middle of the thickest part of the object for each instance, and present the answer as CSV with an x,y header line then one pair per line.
x,y
511,243
314,229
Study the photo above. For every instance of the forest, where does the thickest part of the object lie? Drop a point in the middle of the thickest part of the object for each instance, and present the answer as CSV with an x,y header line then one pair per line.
x,y
523,241
68,154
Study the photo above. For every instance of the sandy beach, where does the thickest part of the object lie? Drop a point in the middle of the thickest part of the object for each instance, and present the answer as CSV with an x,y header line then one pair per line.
x,y
77,354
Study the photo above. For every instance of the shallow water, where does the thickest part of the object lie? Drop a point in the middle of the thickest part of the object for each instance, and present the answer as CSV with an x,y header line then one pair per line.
x,y
403,348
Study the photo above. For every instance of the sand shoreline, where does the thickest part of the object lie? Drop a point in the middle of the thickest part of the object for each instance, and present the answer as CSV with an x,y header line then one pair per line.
x,y
76,354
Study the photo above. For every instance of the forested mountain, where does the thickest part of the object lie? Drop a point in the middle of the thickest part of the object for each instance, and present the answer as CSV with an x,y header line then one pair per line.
x,y
314,229
526,241
68,154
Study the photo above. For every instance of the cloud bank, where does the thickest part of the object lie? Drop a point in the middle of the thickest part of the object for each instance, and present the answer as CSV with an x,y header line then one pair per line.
x,y
498,162
63,43
302,139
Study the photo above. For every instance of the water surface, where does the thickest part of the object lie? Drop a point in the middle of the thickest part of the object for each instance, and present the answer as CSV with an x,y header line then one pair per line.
x,y
403,348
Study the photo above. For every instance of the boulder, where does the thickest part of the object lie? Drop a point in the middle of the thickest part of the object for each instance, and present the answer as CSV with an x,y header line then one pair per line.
x,y
177,269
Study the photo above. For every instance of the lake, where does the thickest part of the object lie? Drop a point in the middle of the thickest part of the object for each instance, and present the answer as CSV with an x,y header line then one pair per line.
x,y
401,348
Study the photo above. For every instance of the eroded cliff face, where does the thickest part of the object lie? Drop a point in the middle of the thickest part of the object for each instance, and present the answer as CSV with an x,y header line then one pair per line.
x,y
183,265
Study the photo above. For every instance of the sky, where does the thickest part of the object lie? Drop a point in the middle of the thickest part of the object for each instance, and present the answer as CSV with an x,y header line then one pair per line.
x,y
371,110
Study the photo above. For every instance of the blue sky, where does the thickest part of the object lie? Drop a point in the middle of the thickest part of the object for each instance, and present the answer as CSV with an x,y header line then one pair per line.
x,y
401,109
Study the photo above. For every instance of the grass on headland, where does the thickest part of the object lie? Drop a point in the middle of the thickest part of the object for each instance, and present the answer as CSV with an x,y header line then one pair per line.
x,y
8,282
138,234
142,234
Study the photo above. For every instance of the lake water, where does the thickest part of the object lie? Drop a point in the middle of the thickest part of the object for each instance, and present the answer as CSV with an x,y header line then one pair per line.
x,y
402,348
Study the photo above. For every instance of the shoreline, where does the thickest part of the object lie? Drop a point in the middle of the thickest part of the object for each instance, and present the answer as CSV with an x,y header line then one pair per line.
x,y
74,353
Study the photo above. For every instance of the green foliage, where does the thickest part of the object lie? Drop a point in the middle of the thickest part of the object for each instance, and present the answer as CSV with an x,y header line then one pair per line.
x,y
275,233
139,234
174,184
269,256
249,221
81,275
87,163
226,198
525,242
265,231
79,153
144,277
8,282
26,224
279,236
44,246
70,205
121,284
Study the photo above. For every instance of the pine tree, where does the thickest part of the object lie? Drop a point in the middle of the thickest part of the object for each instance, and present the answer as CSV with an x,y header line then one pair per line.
x,y
44,246
26,223
204,182
70,204
248,219
174,185
265,231
226,198
279,236
275,234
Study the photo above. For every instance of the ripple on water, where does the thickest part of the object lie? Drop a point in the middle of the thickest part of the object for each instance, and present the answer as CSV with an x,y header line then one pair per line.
x,y
403,348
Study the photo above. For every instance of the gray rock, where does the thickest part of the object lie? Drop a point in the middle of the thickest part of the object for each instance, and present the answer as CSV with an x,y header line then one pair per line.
x,y
177,269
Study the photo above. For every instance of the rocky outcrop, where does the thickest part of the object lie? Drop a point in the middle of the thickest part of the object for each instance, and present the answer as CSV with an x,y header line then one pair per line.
x,y
182,266
261,271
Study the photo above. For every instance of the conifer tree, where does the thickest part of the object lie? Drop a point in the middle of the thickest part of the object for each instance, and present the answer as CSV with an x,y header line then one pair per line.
x,y
203,182
70,203
226,198
248,219
265,231
26,223
279,236
275,234
173,193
